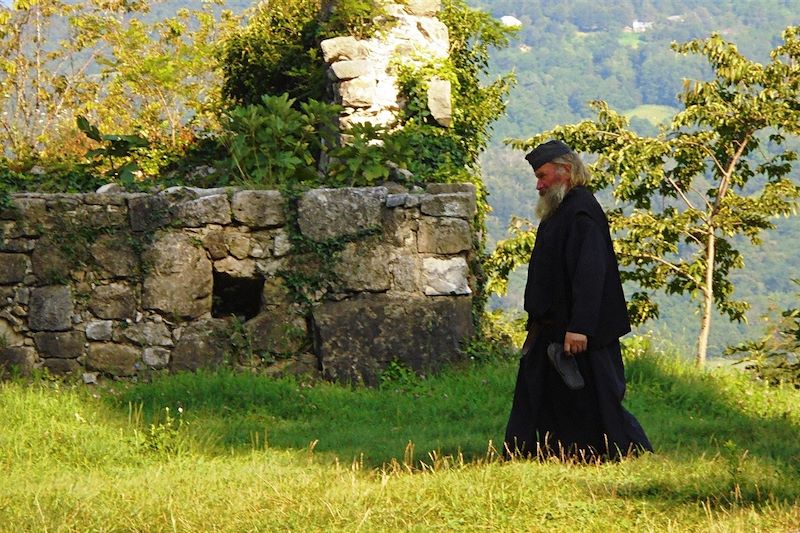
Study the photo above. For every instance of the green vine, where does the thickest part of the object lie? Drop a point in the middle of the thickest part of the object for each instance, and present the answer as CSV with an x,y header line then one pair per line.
x,y
312,264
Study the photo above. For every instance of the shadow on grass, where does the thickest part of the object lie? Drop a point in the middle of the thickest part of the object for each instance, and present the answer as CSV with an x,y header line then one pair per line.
x,y
457,412
746,433
685,412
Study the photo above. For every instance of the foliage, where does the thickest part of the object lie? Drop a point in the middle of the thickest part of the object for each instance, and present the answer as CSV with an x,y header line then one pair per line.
x,y
509,254
162,437
101,60
774,357
273,144
691,187
499,337
40,85
111,148
369,156
278,51
161,79
398,376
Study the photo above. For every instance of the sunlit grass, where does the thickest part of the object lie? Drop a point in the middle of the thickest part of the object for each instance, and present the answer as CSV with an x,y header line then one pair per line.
x,y
249,454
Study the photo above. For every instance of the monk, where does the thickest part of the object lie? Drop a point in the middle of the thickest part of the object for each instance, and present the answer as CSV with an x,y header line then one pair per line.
x,y
571,382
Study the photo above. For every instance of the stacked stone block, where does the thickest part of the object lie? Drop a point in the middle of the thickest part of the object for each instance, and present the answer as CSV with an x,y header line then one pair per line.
x,y
126,285
361,73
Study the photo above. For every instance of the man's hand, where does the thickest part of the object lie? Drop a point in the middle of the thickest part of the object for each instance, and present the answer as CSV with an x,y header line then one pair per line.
x,y
575,343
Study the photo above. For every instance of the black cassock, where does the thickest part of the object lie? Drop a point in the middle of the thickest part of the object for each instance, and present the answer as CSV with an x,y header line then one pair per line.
x,y
574,285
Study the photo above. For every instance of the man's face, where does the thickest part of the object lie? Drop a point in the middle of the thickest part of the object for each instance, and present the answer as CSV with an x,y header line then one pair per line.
x,y
549,175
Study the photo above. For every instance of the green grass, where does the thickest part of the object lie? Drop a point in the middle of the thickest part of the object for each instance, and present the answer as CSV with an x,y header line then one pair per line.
x,y
655,114
242,453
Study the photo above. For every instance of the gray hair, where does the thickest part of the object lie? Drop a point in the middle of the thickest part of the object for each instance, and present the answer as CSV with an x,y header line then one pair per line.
x,y
579,173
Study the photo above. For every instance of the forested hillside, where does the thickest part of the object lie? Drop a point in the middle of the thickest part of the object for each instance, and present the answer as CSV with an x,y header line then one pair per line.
x,y
565,54
569,52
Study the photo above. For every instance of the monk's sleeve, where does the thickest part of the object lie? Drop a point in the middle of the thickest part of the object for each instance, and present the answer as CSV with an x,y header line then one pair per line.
x,y
587,258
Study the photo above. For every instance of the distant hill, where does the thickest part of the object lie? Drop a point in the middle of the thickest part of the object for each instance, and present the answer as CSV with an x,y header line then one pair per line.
x,y
578,50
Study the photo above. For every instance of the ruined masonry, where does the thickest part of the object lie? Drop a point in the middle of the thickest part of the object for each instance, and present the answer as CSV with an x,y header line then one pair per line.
x,y
127,285
361,73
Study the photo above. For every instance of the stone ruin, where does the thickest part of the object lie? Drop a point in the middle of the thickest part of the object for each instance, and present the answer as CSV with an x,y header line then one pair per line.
x,y
128,284
361,73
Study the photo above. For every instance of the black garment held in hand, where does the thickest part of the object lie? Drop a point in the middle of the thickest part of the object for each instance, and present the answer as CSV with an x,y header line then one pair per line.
x,y
574,285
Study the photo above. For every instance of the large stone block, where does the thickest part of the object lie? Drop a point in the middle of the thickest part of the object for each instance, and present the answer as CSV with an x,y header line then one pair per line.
x,y
60,367
115,359
448,188
145,334
423,8
364,266
238,243
179,279
358,92
116,301
435,36
440,235
278,332
236,268
49,262
347,70
51,308
459,204
9,335
214,242
32,210
66,345
214,209
357,339
340,48
445,276
259,209
99,330
156,357
439,102
16,245
114,255
13,268
147,213
21,359
405,270
332,213
203,344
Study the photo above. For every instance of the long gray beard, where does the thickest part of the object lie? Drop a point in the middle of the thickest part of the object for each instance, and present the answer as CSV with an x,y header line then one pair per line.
x,y
550,200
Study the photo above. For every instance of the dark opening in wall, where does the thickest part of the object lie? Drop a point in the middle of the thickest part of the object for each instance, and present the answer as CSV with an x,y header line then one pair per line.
x,y
236,296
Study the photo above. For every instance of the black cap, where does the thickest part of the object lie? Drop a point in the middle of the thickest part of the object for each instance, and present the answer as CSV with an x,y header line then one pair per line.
x,y
544,153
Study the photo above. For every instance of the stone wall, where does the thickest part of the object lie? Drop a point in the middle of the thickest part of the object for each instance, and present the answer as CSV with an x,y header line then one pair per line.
x,y
337,282
360,70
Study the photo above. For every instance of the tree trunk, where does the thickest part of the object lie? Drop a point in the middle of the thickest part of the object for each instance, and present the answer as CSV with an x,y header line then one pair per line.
x,y
708,301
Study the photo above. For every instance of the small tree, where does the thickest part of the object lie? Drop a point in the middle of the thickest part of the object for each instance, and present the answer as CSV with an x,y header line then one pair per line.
x,y
718,170
60,59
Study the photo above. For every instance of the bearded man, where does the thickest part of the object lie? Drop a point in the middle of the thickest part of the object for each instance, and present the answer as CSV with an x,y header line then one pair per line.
x,y
571,382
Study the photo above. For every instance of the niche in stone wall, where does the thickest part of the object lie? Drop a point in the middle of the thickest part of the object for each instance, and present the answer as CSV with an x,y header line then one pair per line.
x,y
238,296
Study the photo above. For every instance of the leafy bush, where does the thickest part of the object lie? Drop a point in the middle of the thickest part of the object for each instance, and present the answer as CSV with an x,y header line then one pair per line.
x,y
273,144
275,53
775,357
278,51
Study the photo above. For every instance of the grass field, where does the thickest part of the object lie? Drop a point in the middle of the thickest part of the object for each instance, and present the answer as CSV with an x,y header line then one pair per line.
x,y
235,452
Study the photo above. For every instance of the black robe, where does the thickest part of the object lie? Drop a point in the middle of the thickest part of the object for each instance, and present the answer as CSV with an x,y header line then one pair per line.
x,y
574,285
